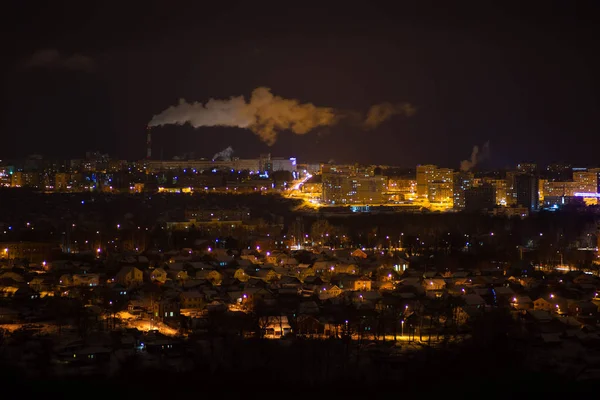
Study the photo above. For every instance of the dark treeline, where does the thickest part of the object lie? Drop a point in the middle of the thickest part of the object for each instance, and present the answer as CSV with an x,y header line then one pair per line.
x,y
492,363
542,237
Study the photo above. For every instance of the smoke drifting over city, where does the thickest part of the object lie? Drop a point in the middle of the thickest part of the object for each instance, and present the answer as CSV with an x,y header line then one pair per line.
x,y
477,156
266,114
380,113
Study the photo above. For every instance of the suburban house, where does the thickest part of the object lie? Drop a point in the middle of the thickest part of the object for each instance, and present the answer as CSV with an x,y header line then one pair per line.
x,y
434,284
86,279
165,309
328,292
551,304
308,325
266,274
129,276
275,326
158,275
177,275
522,303
241,275
192,299
465,314
211,275
473,300
353,283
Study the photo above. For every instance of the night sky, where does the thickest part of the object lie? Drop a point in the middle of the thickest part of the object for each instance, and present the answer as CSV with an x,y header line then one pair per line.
x,y
524,79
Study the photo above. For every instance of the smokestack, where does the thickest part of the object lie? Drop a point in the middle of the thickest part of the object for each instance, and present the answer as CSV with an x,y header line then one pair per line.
x,y
148,143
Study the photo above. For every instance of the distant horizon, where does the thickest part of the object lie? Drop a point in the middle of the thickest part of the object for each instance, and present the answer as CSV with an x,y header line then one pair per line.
x,y
484,167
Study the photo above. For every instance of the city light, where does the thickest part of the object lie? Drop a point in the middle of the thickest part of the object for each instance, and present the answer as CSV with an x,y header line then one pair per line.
x,y
580,194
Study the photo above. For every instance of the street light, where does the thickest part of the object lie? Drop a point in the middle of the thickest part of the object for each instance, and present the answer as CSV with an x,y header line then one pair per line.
x,y
402,328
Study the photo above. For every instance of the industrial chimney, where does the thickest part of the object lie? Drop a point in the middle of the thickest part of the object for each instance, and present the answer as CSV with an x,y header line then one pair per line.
x,y
148,143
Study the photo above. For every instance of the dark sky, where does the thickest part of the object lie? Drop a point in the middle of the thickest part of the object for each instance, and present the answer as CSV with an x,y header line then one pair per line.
x,y
524,78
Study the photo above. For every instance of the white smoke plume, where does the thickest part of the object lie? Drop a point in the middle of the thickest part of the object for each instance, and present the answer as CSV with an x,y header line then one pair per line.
x,y
477,156
380,113
52,58
266,114
224,154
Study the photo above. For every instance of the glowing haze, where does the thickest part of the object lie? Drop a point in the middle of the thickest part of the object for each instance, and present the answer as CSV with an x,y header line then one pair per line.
x,y
266,114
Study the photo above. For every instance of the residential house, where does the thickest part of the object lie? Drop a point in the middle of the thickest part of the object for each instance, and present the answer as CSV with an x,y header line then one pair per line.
x,y
9,290
283,271
116,290
252,259
158,275
197,265
327,292
551,303
222,260
290,282
434,284
12,275
129,276
308,307
323,266
522,303
241,297
353,283
585,279
265,274
8,315
465,314
346,268
165,309
86,279
65,280
358,253
430,275
308,325
289,262
177,275
370,298
584,309
503,294
241,275
538,315
306,274
400,265
42,283
212,275
473,300
543,304
275,327
529,283
191,300
413,282
243,263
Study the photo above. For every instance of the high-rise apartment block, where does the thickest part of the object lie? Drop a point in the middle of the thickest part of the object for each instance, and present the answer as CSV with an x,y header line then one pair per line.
x,y
526,188
528,168
425,175
341,188
479,198
463,181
